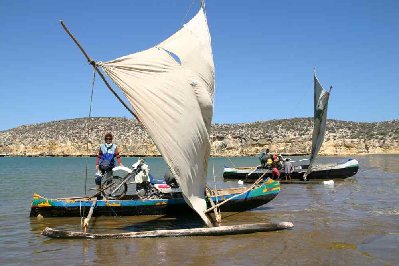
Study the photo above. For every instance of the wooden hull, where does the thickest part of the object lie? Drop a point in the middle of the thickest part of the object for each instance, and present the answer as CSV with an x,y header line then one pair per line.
x,y
68,207
339,171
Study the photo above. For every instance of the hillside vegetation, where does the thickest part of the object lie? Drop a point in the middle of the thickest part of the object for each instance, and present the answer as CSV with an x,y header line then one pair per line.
x,y
80,137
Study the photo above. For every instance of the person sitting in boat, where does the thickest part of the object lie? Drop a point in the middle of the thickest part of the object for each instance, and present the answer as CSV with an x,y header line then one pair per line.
x,y
288,169
105,161
263,157
142,178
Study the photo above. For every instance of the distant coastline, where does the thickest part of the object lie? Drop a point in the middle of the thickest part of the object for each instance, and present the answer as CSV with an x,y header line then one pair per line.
x,y
68,138
212,156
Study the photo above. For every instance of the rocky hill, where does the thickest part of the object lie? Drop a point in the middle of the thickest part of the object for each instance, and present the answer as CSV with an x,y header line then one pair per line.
x,y
79,137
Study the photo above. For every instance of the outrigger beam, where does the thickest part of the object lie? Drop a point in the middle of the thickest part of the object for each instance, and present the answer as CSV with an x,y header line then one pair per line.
x,y
85,222
93,63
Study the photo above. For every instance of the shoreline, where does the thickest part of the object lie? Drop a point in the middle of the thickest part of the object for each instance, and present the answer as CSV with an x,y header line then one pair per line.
x,y
212,156
290,137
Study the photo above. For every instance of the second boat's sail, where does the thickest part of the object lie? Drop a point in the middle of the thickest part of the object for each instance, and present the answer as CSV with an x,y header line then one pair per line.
x,y
171,87
319,120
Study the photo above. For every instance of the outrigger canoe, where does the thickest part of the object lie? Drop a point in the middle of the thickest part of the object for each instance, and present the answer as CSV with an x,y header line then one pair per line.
x,y
322,172
132,205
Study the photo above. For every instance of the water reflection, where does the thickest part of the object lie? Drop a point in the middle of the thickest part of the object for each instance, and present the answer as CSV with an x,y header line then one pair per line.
x,y
387,162
353,222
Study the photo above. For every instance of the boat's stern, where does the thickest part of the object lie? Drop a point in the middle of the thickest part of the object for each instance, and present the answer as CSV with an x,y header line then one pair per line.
x,y
253,198
351,167
271,185
229,172
38,202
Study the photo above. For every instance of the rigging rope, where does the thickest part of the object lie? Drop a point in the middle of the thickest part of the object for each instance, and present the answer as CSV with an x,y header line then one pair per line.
x,y
88,122
215,191
188,10
231,162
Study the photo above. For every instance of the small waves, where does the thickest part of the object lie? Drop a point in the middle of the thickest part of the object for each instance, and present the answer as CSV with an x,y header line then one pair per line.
x,y
385,212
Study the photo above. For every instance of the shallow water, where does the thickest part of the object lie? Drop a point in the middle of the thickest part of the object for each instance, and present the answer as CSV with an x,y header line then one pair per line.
x,y
353,222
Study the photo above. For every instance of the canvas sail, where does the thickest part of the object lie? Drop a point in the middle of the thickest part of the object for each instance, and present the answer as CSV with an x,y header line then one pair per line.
x,y
171,86
319,120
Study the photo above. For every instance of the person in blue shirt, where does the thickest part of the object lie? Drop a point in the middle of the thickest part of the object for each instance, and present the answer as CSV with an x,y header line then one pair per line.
x,y
107,155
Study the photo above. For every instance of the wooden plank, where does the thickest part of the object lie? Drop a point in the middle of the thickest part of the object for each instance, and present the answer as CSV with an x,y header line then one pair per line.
x,y
210,231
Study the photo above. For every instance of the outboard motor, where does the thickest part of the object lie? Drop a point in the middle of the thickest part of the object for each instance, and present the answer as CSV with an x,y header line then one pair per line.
x,y
170,180
143,189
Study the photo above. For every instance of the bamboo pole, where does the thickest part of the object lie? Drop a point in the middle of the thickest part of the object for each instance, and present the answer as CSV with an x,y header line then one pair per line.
x,y
86,221
209,231
93,63
94,195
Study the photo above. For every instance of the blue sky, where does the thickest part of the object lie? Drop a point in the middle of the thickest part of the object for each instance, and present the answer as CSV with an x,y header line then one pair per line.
x,y
264,53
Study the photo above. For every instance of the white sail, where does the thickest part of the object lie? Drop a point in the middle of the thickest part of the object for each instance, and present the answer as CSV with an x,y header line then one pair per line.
x,y
320,118
170,87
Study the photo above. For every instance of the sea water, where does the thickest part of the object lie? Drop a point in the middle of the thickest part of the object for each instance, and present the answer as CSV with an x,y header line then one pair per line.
x,y
350,222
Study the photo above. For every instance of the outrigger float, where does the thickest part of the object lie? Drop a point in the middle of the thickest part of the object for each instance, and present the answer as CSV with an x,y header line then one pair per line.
x,y
212,231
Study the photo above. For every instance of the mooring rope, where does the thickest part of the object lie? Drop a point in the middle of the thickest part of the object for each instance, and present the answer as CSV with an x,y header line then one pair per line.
x,y
214,182
231,161
88,126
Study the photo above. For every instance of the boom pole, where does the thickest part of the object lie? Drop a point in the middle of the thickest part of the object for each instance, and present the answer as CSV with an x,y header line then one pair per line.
x,y
93,63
